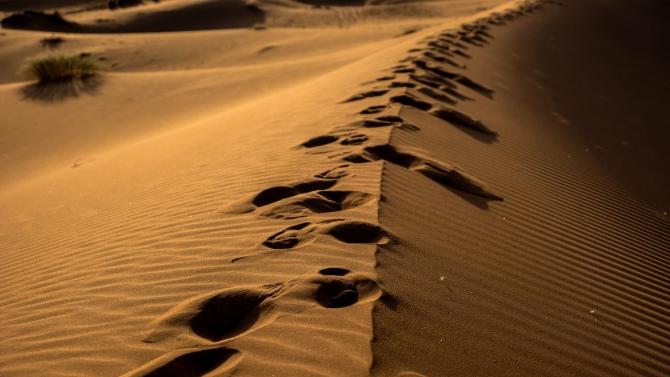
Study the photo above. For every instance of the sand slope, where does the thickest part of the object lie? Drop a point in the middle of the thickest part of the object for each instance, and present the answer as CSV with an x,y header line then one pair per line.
x,y
566,277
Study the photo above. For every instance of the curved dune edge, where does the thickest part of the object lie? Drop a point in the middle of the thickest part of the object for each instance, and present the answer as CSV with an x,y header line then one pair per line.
x,y
194,15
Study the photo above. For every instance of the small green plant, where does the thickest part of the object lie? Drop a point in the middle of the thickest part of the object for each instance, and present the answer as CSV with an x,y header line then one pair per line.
x,y
52,68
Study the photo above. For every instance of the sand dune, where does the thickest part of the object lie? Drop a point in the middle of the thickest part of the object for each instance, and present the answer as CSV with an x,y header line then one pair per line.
x,y
422,193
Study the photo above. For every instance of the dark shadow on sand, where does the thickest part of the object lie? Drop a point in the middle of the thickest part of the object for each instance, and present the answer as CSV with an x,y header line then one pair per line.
x,y
59,91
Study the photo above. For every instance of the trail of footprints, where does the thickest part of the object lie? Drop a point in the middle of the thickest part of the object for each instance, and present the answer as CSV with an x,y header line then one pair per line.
x,y
429,79
201,328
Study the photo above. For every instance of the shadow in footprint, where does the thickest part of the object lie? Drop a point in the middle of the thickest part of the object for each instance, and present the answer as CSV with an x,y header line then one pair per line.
x,y
368,94
277,193
213,316
374,109
192,364
409,100
334,271
227,315
356,232
319,141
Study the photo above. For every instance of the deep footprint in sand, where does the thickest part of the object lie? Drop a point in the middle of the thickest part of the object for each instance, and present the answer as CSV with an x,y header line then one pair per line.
x,y
319,141
226,315
193,364
412,101
374,109
348,231
214,316
344,139
368,94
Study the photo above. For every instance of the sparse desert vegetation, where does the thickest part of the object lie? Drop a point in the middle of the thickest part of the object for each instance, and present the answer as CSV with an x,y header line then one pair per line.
x,y
52,68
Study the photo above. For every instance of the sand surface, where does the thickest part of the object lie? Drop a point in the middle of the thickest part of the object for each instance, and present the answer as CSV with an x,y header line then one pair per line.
x,y
390,188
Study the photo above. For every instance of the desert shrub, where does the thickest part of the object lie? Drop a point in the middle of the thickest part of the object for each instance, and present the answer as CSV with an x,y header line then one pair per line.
x,y
52,68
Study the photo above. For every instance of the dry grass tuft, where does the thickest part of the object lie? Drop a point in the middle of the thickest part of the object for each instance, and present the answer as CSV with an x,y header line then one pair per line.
x,y
52,68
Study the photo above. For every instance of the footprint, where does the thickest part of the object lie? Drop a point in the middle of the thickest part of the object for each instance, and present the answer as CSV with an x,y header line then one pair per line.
x,y
390,118
337,294
336,271
438,82
319,141
214,316
379,121
368,94
380,79
226,315
355,139
374,109
277,193
447,176
192,363
348,231
274,194
408,99
432,93
481,89
459,78
460,119
462,54
318,202
355,232
289,237
442,59
334,173
402,84
424,65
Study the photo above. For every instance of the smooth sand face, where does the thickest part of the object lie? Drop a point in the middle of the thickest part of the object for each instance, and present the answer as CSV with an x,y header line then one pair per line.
x,y
466,188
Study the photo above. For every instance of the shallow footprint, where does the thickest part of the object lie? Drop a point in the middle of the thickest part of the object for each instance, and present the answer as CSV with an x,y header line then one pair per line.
x,y
318,202
334,173
348,231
